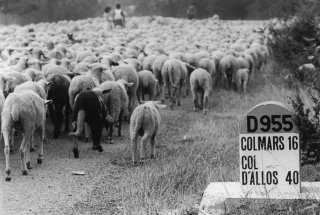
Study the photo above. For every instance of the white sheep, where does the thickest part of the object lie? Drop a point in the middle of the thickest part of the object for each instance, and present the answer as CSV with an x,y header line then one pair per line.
x,y
147,85
116,102
174,74
201,83
58,69
157,68
145,121
210,66
241,79
90,80
25,111
129,74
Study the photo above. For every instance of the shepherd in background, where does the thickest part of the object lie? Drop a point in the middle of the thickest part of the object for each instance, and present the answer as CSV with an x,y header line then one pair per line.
x,y
107,15
119,17
192,11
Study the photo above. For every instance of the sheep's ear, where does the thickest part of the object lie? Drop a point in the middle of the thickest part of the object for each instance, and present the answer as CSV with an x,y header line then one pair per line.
x,y
89,66
190,67
49,83
48,102
106,91
11,78
159,105
129,84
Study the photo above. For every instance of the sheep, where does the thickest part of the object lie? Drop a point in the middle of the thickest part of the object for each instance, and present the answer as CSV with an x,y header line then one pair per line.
x,y
58,93
52,62
35,64
250,60
157,68
17,79
33,74
107,75
23,111
226,69
200,82
57,70
84,82
55,54
193,60
5,82
210,66
39,88
147,85
117,103
174,73
148,62
82,55
81,68
145,121
21,65
133,62
241,79
37,53
90,108
129,74
30,85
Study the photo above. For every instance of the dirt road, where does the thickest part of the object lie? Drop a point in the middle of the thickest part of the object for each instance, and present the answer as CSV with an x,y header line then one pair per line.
x,y
50,188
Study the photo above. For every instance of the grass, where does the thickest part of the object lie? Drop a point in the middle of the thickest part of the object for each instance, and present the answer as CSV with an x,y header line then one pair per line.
x,y
192,151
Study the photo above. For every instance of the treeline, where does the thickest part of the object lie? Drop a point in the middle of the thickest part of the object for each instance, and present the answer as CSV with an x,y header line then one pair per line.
x,y
27,11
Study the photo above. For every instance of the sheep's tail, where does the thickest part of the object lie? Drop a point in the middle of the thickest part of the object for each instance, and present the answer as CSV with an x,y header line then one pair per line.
x,y
139,122
15,113
80,124
171,73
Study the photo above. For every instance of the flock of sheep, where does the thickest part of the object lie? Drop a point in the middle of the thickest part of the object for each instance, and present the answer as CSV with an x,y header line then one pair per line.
x,y
78,67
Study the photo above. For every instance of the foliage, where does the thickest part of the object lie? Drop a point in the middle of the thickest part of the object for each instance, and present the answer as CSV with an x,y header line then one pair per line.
x,y
293,42
308,122
48,10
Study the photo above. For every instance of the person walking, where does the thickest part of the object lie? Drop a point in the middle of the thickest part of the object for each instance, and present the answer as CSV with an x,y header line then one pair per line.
x,y
107,15
119,17
192,11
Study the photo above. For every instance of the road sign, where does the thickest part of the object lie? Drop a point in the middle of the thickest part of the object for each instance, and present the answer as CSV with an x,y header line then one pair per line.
x,y
269,150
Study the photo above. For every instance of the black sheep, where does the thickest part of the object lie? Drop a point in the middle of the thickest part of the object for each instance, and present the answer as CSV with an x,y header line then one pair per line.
x,y
89,108
58,93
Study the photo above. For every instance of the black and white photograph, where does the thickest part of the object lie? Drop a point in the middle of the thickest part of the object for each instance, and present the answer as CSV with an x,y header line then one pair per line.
x,y
160,107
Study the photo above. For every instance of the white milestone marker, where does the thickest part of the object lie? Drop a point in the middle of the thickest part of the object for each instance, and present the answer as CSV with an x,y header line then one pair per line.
x,y
269,160
269,151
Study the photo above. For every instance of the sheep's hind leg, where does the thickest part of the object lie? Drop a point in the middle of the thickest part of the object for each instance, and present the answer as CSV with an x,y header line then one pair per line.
x,y
23,151
195,99
143,149
6,137
120,123
205,103
86,132
96,131
134,150
66,118
75,147
152,143
40,140
11,139
29,146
